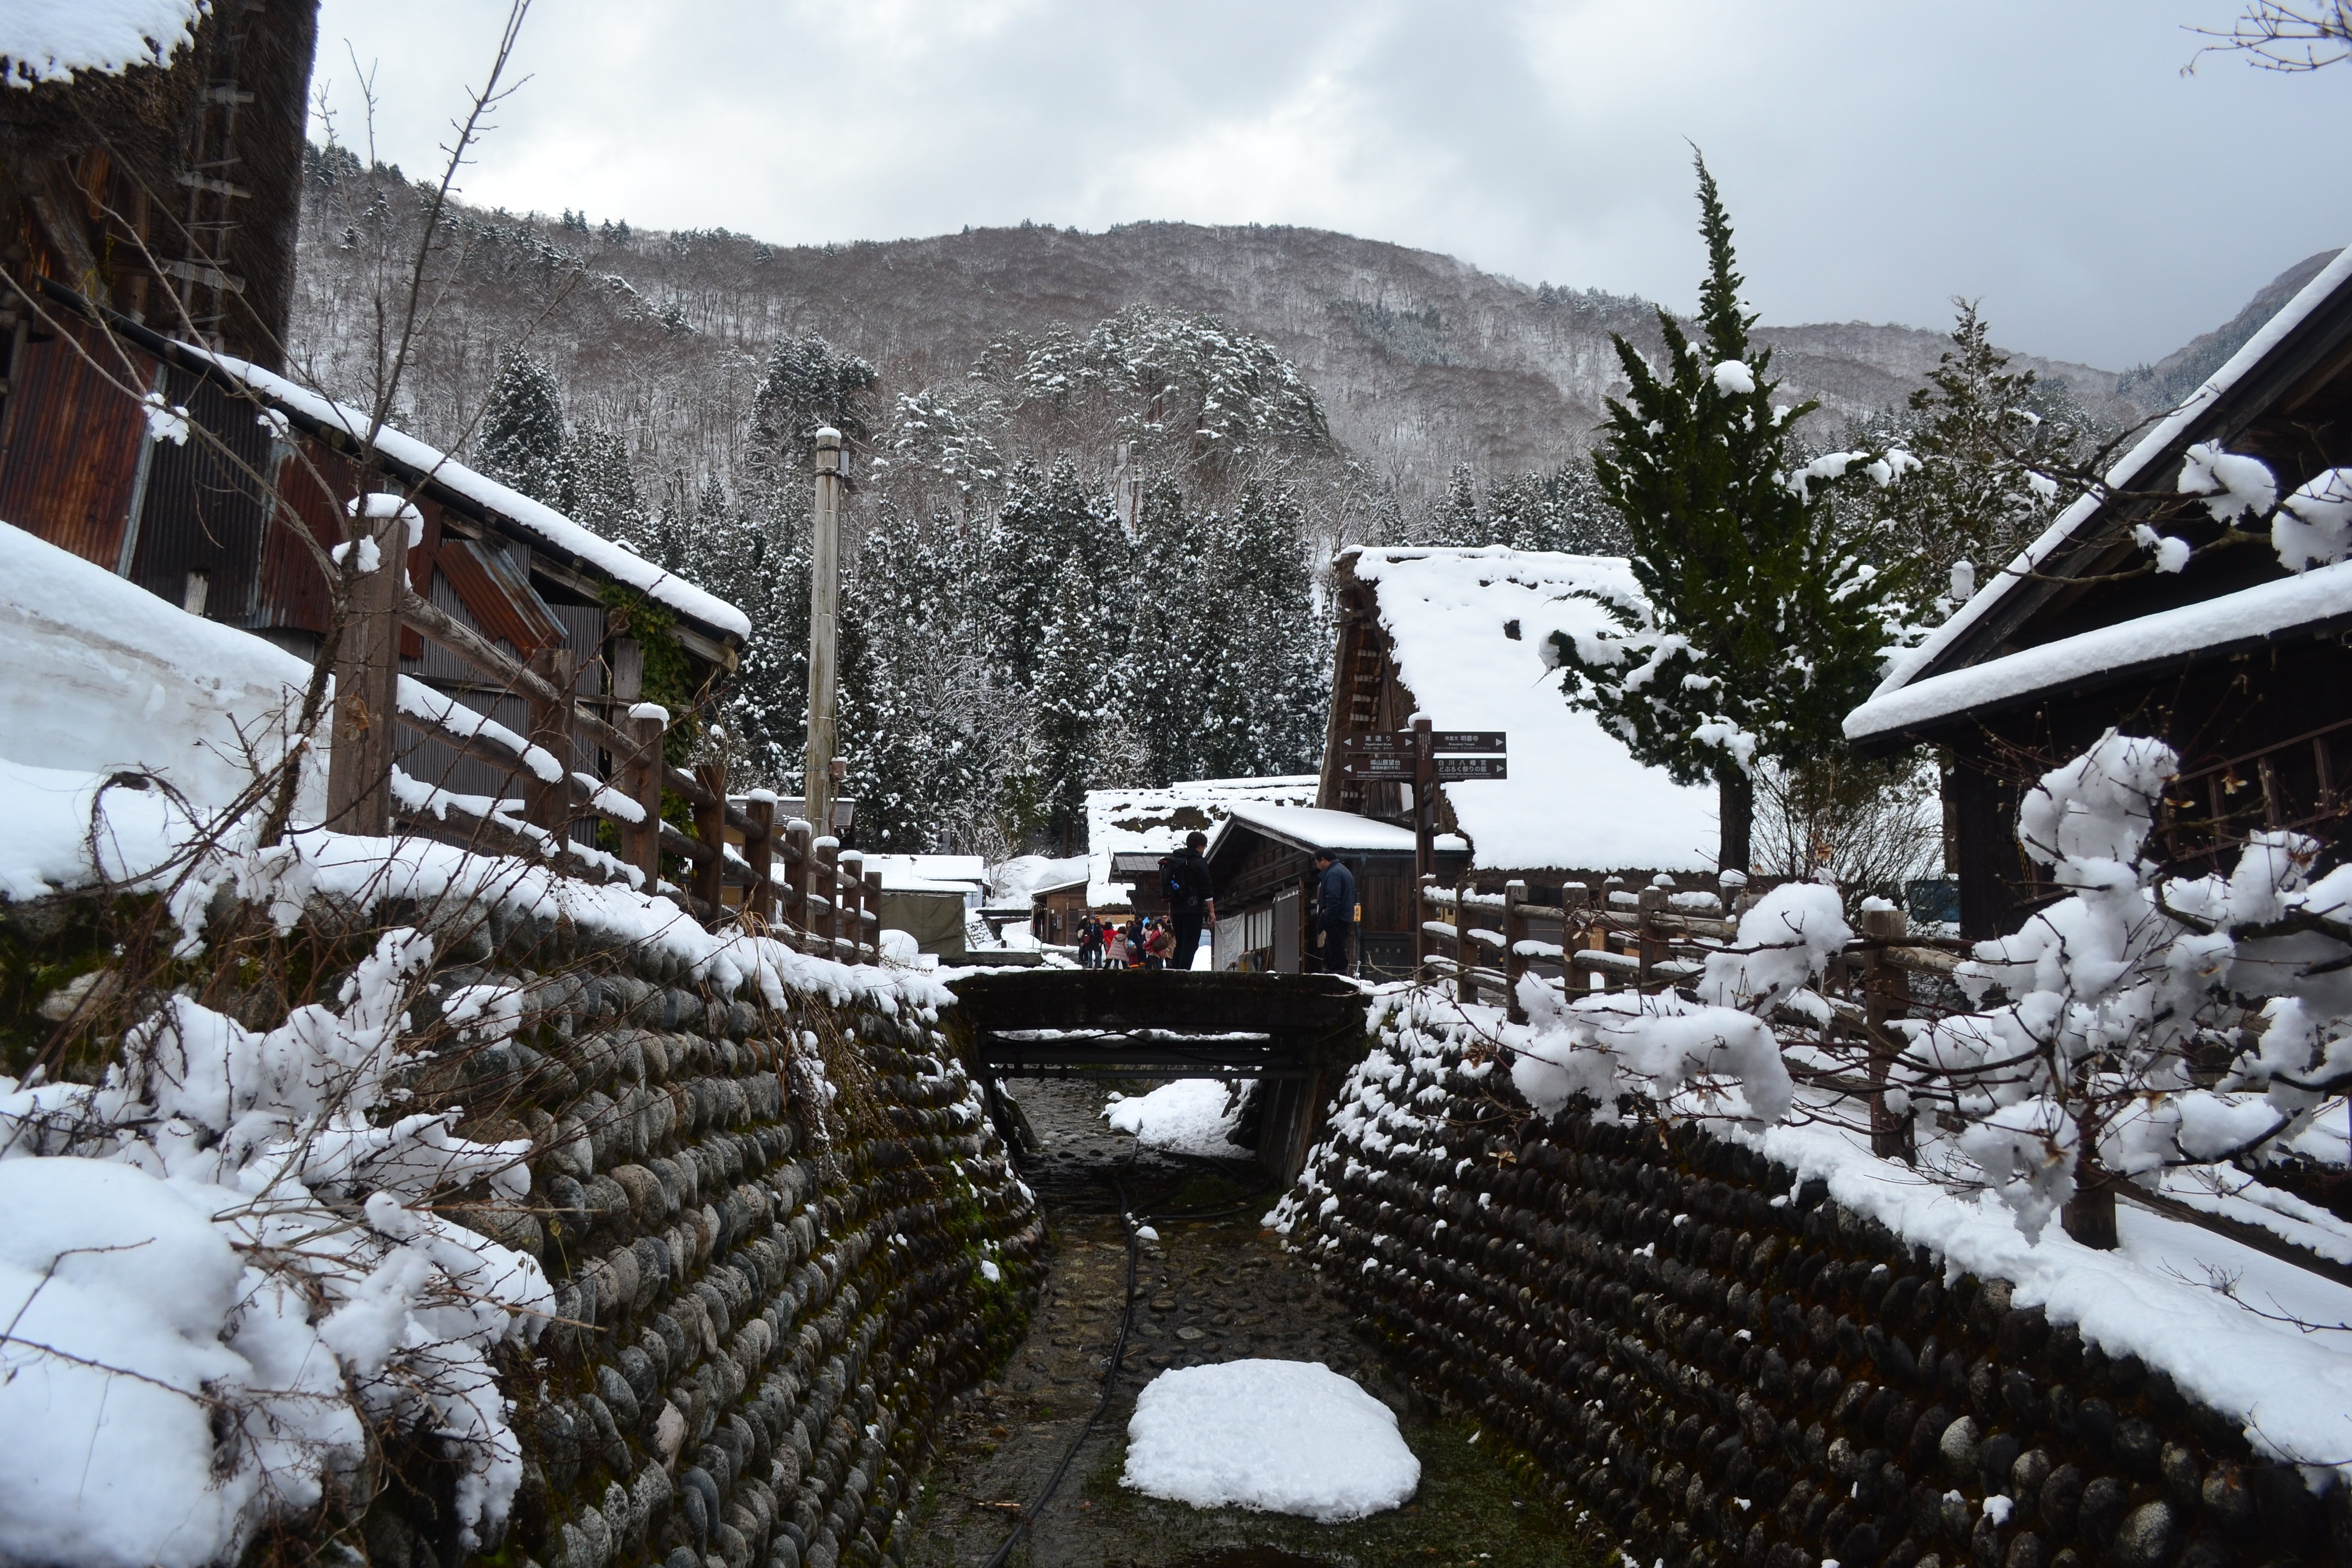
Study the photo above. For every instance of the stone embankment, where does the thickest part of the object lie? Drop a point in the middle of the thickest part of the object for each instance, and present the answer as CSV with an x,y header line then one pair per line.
x,y
1719,1366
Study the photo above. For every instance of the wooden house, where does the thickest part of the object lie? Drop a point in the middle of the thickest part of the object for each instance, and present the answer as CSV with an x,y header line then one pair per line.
x,y
1056,910
1462,637
1129,830
149,199
1262,860
2233,651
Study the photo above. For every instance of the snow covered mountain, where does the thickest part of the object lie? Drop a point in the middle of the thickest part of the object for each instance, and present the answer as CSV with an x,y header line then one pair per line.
x,y
1423,360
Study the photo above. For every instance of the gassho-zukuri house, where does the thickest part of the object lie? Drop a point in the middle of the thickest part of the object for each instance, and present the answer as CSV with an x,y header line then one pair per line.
x,y
1459,636
2203,599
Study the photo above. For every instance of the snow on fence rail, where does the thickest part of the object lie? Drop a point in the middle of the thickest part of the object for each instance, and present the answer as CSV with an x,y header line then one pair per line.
x,y
795,885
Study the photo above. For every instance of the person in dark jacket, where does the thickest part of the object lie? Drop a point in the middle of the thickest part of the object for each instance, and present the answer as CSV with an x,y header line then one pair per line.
x,y
1334,913
1191,897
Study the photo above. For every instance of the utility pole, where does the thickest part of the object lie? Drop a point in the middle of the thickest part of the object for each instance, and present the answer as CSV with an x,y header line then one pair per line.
x,y
825,630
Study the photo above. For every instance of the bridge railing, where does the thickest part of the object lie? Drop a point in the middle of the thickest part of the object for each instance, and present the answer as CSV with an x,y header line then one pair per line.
x,y
739,865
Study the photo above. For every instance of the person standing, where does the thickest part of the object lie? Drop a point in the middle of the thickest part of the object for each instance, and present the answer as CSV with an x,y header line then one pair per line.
x,y
1334,912
1114,946
1135,934
1159,945
1184,877
1090,943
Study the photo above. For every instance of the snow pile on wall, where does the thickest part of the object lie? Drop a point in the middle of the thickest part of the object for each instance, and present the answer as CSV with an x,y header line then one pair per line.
x,y
1281,1436
1187,1116
1576,798
228,1234
103,676
1155,821
50,40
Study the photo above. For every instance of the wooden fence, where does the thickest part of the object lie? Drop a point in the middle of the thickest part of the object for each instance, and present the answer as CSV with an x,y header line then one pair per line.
x,y
792,883
1651,938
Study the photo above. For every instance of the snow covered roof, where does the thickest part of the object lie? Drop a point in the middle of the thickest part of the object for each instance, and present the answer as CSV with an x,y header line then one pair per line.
x,y
1155,821
52,40
1013,881
548,525
930,873
1314,827
1936,694
1469,629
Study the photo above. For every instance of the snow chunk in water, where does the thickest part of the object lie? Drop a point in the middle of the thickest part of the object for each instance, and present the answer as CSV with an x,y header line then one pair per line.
x,y
1187,1116
1282,1436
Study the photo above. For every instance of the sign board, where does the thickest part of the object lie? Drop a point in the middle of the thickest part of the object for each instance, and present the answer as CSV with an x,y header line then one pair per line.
x,y
1473,768
1399,742
1381,765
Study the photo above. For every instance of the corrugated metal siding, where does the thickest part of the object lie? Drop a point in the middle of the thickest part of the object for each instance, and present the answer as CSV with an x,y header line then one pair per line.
x,y
73,450
203,507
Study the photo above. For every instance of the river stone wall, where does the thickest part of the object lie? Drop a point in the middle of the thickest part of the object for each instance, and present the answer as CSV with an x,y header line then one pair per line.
x,y
786,1242
1718,1372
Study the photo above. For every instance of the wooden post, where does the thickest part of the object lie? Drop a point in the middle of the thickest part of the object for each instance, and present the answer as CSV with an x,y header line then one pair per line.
x,y
798,861
547,802
1422,885
1886,995
1465,950
367,678
825,880
1424,800
710,828
641,775
1515,932
824,628
1575,897
760,848
853,900
1652,947
873,902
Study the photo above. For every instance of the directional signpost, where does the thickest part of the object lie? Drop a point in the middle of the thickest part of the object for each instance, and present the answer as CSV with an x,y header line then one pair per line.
x,y
1425,757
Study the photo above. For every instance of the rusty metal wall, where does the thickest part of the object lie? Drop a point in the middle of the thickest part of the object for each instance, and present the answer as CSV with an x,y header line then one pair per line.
x,y
73,450
202,508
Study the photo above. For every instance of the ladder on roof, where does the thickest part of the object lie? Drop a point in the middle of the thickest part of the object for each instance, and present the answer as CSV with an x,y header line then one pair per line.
x,y
200,276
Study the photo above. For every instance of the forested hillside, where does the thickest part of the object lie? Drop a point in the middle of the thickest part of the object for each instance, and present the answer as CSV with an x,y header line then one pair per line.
x,y
1095,476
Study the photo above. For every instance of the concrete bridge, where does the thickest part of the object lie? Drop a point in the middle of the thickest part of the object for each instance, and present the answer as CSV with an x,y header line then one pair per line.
x,y
1296,1032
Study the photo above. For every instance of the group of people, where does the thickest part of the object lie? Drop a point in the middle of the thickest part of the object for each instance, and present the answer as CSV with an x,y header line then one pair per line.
x,y
1149,942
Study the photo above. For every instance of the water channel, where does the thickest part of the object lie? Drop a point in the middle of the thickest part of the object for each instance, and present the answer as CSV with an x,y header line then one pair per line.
x,y
1215,1288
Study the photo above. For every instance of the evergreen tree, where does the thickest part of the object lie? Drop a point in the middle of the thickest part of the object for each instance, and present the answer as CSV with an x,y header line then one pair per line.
x,y
1993,463
1764,628
1047,523
808,384
1455,521
768,708
522,444
1174,654
597,488
1074,707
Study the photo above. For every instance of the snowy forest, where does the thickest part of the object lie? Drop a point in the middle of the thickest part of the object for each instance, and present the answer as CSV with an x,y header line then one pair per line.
x,y
1085,559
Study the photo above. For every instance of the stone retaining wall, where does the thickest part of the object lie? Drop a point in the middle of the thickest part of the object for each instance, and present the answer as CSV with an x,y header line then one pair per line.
x,y
1722,1372
786,1242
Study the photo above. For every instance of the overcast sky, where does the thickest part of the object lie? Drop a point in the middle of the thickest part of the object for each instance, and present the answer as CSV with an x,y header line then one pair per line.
x,y
1877,158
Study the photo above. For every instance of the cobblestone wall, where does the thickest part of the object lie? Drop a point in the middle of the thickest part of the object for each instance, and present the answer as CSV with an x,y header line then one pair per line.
x,y
786,1242
1722,1372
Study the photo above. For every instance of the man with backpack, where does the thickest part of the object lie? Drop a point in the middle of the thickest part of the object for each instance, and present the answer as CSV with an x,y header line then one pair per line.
x,y
1184,877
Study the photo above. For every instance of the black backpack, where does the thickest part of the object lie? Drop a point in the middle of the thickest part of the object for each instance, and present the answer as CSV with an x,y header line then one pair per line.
x,y
1171,881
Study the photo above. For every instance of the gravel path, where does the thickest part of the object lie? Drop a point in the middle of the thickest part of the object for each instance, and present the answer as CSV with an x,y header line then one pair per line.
x,y
1212,1289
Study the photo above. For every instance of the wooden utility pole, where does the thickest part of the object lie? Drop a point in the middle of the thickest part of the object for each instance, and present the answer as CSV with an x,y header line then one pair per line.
x,y
1424,799
367,671
824,628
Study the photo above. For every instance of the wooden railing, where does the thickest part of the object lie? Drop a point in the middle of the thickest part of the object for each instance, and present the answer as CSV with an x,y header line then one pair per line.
x,y
792,882
1649,939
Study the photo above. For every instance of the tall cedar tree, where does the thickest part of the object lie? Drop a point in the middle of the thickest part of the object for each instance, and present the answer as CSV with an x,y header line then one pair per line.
x,y
1992,461
1764,626
523,444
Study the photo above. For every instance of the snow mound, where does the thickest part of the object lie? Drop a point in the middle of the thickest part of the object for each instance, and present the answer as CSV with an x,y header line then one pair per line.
x,y
1281,1436
1186,1117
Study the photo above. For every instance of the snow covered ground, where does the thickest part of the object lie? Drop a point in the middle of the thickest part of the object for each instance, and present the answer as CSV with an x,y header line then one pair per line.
x,y
1284,1437
1187,1116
